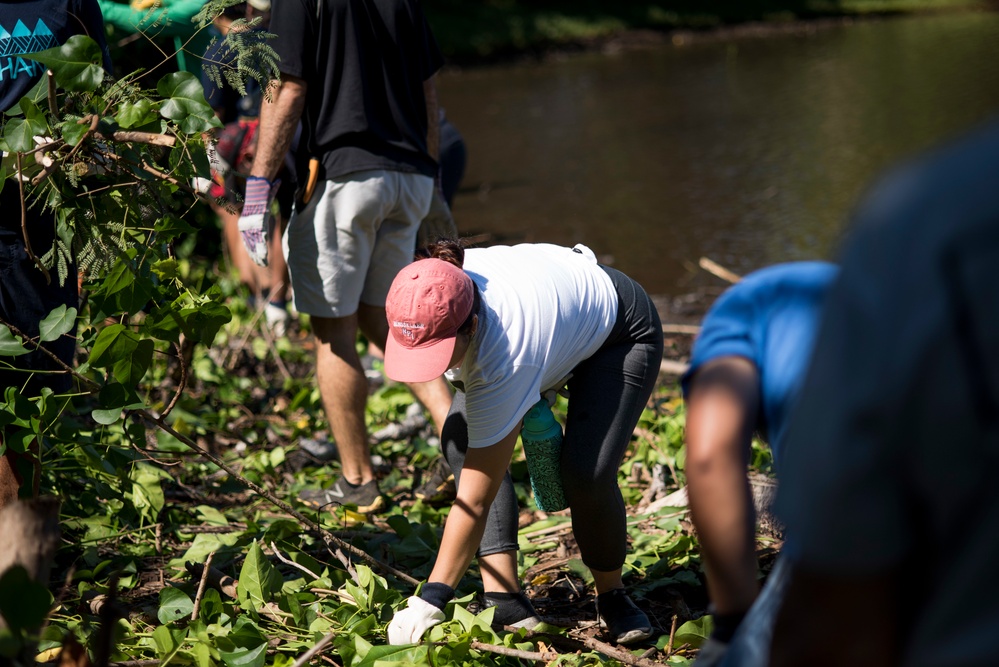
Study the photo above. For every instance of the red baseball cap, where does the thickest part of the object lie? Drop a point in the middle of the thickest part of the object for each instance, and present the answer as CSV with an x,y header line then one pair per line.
x,y
427,302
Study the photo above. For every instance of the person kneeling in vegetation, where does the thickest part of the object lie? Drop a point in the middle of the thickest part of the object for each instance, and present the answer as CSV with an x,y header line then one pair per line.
x,y
509,323
746,367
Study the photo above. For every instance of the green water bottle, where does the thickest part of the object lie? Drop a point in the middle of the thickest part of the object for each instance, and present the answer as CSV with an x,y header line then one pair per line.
x,y
542,438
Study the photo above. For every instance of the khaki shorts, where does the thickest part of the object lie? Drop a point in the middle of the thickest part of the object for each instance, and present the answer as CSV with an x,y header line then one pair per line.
x,y
347,245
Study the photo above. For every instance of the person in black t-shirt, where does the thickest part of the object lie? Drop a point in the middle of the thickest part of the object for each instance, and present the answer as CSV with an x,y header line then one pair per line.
x,y
359,76
234,151
26,297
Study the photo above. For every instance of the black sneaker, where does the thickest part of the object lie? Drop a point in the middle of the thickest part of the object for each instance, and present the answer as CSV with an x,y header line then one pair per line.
x,y
367,498
439,484
321,448
621,618
512,609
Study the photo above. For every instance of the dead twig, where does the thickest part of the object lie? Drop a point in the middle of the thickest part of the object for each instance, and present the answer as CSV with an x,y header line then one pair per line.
x,y
717,269
320,645
288,561
201,586
537,656
215,578
691,329
24,224
181,385
672,634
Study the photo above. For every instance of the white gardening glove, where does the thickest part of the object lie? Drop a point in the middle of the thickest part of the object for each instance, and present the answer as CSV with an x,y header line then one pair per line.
x,y
408,625
255,220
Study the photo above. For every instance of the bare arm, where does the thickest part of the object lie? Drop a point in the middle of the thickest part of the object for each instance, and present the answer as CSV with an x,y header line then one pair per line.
x,y
722,402
433,121
279,118
480,481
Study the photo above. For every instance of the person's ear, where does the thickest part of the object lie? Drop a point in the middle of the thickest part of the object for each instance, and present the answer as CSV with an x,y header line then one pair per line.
x,y
475,326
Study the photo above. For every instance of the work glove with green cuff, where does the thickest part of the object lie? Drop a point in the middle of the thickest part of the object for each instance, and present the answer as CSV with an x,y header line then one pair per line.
x,y
422,612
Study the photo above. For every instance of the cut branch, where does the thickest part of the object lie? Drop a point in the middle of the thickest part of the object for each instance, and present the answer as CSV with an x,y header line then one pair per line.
x,y
536,656
24,224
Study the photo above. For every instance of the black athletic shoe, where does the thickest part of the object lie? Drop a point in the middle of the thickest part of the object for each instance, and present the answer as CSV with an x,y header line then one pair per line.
x,y
367,498
621,618
513,609
438,486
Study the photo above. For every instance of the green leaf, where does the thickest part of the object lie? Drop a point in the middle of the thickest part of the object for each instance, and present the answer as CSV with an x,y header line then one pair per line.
x,y
168,640
166,268
245,657
694,632
130,369
58,322
258,579
78,64
211,516
101,355
175,605
18,133
135,114
211,606
384,656
204,544
185,104
73,132
106,416
19,404
10,345
24,603
147,493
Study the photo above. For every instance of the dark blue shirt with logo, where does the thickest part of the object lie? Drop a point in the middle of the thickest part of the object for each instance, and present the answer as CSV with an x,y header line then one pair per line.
x,y
35,25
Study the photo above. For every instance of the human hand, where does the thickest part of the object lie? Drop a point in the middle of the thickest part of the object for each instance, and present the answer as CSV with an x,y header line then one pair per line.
x,y
438,223
255,220
408,625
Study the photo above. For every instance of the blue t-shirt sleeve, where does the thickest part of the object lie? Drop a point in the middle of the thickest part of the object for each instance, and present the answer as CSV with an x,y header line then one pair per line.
x,y
727,330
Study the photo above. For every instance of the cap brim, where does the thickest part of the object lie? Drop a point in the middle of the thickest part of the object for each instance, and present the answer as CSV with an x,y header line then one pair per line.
x,y
418,364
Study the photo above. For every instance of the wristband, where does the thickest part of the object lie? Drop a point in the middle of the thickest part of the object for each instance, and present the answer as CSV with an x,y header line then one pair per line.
x,y
436,594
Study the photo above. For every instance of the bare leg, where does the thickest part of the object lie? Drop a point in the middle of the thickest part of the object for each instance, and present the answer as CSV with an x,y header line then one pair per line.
x,y
277,267
606,581
499,572
344,391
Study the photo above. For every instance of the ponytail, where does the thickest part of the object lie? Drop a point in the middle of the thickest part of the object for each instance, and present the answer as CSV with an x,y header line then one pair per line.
x,y
445,249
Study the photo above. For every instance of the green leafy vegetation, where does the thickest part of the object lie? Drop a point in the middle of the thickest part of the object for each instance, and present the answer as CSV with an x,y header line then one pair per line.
x,y
175,456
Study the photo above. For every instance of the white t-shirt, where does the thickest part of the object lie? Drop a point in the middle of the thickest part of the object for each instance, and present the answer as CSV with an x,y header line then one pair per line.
x,y
545,308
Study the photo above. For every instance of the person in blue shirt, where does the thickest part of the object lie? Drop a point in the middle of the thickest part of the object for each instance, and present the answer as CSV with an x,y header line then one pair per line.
x,y
746,367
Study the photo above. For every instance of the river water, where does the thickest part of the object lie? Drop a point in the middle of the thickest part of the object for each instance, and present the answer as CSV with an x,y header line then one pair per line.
x,y
747,150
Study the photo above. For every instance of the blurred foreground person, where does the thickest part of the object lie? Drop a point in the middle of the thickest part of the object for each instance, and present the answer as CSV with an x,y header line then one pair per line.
x,y
510,324
746,368
27,295
888,484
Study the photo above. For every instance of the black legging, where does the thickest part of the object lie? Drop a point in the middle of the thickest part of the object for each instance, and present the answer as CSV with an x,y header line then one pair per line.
x,y
607,394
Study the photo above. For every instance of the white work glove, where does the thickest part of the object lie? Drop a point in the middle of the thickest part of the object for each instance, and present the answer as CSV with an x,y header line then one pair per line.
x,y
408,625
255,220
